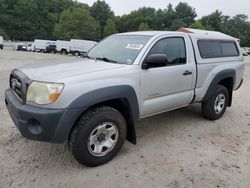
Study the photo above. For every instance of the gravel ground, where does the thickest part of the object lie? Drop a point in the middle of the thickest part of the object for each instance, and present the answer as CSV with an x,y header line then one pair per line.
x,y
175,149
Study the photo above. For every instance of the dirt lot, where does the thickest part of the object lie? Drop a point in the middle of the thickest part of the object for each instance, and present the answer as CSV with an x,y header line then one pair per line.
x,y
175,149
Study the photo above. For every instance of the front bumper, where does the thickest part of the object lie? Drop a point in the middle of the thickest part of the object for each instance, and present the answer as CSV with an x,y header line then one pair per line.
x,y
50,125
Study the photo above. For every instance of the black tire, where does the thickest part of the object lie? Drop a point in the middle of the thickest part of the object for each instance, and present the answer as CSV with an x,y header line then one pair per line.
x,y
87,123
208,107
76,53
63,52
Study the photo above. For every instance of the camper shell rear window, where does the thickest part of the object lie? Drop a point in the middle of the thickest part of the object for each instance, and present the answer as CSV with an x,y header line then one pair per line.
x,y
217,48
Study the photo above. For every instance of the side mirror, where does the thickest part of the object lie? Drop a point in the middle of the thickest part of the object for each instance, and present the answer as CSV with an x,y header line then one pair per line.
x,y
155,60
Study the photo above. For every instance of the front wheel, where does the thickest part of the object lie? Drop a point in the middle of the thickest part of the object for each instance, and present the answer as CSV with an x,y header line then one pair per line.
x,y
216,105
98,136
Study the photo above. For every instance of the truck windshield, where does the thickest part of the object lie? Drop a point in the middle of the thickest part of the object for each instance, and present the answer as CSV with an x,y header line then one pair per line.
x,y
119,48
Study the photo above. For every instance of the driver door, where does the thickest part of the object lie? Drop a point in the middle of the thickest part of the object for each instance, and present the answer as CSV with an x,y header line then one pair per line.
x,y
168,87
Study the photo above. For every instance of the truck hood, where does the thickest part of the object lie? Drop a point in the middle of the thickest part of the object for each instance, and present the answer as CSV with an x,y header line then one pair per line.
x,y
54,71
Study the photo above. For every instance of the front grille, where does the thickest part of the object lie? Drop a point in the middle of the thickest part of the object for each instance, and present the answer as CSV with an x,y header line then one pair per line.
x,y
18,84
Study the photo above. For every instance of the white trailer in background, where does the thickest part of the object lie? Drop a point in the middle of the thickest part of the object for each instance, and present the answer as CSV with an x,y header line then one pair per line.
x,y
63,46
1,42
40,45
78,47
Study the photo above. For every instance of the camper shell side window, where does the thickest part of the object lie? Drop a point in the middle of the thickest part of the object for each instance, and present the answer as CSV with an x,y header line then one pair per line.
x,y
217,48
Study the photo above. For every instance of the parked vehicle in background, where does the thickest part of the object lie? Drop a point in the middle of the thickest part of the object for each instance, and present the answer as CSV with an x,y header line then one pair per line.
x,y
94,104
248,50
31,47
63,46
50,47
40,45
20,47
244,51
78,47
1,42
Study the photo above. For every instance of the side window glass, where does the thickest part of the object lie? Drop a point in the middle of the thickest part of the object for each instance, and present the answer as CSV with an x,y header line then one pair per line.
x,y
173,48
209,49
216,49
229,49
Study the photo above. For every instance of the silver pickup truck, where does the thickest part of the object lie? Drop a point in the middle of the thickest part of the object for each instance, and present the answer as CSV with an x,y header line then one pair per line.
x,y
93,103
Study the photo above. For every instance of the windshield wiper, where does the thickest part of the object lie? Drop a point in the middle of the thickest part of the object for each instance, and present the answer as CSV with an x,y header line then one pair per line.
x,y
106,59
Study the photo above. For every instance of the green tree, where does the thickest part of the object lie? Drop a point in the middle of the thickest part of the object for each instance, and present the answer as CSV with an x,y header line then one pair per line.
x,y
213,21
101,11
4,35
168,17
177,24
30,19
77,23
185,13
171,18
131,21
110,28
159,22
239,27
197,25
143,27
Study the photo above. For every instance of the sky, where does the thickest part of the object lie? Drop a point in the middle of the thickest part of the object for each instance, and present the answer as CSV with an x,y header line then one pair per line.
x,y
202,7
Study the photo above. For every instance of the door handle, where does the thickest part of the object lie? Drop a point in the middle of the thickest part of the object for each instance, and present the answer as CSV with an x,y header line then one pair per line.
x,y
187,73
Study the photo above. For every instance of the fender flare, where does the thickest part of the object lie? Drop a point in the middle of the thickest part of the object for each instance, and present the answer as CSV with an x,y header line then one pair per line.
x,y
228,73
97,96
108,93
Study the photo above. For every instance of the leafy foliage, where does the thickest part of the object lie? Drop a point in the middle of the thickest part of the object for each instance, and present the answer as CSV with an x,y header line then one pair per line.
x,y
4,35
132,21
110,28
143,27
72,17
185,14
101,11
197,25
66,19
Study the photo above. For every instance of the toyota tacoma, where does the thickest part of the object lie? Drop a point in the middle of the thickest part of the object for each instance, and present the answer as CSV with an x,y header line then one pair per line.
x,y
94,103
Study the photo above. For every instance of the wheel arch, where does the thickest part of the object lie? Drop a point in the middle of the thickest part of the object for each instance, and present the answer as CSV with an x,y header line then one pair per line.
x,y
64,50
225,78
122,98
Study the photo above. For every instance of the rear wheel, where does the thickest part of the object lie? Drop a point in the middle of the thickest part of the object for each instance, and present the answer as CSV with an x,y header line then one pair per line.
x,y
215,107
63,52
76,53
98,136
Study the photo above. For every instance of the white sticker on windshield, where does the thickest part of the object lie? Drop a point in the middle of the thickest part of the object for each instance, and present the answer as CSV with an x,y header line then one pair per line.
x,y
134,46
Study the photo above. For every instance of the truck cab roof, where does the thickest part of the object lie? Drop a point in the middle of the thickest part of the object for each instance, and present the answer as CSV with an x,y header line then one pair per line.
x,y
194,33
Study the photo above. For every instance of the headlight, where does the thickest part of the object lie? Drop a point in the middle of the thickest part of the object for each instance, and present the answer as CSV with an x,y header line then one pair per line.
x,y
43,93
